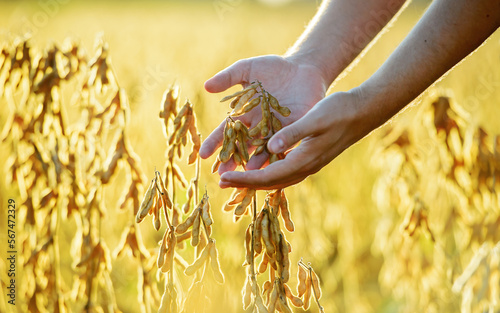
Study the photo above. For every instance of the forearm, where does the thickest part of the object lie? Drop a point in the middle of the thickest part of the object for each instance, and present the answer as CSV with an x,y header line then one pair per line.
x,y
340,30
448,32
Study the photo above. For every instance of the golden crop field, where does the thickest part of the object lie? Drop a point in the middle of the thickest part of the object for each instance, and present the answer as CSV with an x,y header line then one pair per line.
x,y
407,220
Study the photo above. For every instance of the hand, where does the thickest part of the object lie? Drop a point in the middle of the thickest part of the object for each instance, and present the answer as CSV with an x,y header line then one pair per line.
x,y
296,85
329,128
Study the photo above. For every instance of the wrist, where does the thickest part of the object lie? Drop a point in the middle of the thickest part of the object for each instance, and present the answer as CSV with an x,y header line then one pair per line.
x,y
311,58
371,108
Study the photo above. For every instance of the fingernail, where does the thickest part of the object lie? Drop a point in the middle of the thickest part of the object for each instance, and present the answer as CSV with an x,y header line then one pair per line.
x,y
277,145
223,185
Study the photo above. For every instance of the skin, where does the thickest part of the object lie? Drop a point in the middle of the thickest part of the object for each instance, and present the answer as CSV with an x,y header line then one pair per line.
x,y
448,32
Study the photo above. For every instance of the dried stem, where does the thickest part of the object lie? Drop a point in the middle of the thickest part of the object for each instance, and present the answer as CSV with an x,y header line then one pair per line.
x,y
57,256
197,176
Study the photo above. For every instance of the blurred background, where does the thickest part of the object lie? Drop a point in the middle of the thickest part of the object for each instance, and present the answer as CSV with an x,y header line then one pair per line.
x,y
155,44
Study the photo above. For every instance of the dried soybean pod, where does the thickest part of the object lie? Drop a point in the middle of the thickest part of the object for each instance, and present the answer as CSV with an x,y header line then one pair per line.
x,y
275,105
189,197
172,137
228,207
191,269
238,195
169,101
187,206
256,130
243,99
237,158
274,229
243,146
246,292
276,123
274,102
149,194
164,194
232,105
241,208
263,263
266,237
231,96
315,284
171,151
181,238
195,136
307,294
285,262
248,244
273,158
169,256
284,111
216,165
183,227
196,149
301,278
162,251
166,300
273,298
258,142
182,112
214,262
296,301
264,129
260,149
285,213
185,126
246,133
247,107
257,245
259,304
266,289
225,153
236,218
156,217
274,200
241,92
238,126
201,245
251,105
205,212
195,239
175,216
261,308
147,202
266,115
282,302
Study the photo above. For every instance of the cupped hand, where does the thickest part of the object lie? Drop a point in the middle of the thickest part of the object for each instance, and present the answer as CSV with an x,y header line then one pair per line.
x,y
329,128
296,85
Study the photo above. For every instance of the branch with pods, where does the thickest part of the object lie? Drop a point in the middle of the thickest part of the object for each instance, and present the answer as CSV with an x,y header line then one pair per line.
x,y
179,123
264,237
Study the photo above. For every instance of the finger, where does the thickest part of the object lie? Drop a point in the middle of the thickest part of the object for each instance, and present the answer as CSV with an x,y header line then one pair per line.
x,y
235,74
257,161
253,179
290,135
228,166
213,142
291,170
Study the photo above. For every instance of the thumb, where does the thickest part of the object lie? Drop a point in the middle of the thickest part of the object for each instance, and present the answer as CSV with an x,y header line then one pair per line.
x,y
235,74
288,136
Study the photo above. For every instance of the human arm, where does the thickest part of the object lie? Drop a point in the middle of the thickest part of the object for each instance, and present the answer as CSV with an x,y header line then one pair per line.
x,y
340,30
448,31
